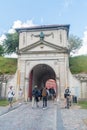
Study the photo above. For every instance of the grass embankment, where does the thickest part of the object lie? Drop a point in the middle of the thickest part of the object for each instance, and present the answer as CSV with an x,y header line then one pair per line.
x,y
4,102
82,104
8,65
78,64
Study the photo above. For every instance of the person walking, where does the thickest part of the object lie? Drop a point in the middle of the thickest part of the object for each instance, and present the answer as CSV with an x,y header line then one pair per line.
x,y
52,93
35,96
10,96
44,96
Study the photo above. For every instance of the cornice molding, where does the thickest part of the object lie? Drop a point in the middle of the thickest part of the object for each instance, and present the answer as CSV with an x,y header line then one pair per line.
x,y
41,42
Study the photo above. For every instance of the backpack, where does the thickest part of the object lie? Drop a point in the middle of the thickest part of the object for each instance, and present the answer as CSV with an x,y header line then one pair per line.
x,y
12,93
35,93
44,92
39,93
52,91
67,91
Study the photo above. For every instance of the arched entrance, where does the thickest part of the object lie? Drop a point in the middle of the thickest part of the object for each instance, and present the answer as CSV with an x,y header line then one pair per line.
x,y
38,76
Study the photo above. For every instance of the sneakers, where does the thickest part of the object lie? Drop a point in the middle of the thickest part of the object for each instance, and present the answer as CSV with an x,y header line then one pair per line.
x,y
20,103
44,107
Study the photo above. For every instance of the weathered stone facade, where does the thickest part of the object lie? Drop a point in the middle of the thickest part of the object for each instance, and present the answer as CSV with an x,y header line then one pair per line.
x,y
43,55
83,85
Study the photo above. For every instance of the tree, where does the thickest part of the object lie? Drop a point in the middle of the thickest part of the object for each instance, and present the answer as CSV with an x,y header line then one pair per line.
x,y
1,50
11,43
75,44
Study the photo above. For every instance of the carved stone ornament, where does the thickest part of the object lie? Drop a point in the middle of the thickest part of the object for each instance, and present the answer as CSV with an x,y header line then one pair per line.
x,y
42,35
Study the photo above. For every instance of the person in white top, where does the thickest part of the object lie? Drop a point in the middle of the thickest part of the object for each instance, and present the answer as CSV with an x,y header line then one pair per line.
x,y
20,96
10,96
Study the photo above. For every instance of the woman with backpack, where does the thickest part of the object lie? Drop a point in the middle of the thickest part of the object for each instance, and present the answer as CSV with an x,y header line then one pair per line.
x,y
44,96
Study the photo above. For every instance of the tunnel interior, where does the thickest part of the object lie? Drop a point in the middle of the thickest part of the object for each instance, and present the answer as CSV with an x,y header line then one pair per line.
x,y
40,74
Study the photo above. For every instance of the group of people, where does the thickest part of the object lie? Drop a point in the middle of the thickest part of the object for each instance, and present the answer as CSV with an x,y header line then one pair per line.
x,y
37,95
41,94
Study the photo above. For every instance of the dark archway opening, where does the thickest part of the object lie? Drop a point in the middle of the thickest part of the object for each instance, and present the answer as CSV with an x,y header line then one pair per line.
x,y
39,75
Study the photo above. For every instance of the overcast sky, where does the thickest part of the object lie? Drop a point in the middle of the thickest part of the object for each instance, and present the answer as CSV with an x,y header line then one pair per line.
x,y
18,13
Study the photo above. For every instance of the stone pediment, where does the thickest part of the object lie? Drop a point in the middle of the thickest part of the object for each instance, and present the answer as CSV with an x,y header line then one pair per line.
x,y
42,46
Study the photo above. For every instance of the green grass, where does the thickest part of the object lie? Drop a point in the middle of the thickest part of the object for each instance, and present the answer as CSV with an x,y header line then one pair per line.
x,y
4,102
82,104
8,65
78,64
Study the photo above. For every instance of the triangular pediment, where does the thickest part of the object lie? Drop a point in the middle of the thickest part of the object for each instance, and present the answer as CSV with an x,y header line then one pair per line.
x,y
42,46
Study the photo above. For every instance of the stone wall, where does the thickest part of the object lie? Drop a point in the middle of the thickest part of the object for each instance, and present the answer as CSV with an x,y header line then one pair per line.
x,y
77,83
5,82
83,81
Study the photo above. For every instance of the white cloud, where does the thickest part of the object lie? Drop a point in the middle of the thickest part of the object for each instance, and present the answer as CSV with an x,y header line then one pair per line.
x,y
85,37
16,24
2,38
83,49
11,30
12,56
20,24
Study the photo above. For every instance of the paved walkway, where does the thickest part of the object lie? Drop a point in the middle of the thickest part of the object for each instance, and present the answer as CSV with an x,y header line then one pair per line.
x,y
73,118
6,109
56,117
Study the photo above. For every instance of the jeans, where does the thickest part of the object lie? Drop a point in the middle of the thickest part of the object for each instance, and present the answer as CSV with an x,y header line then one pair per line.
x,y
45,101
34,101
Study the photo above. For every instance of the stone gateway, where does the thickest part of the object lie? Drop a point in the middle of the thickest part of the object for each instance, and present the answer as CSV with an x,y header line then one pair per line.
x,y
43,55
